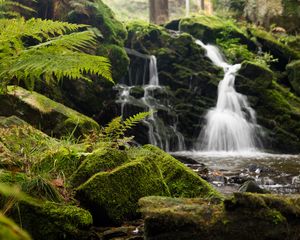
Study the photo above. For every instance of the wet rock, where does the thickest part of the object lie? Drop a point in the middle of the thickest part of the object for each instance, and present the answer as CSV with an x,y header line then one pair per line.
x,y
251,186
293,70
262,217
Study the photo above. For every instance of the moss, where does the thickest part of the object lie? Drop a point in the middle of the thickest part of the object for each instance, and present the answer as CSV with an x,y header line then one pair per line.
x,y
293,70
242,217
118,58
53,221
40,111
209,28
22,139
276,48
101,160
99,15
10,231
112,196
62,159
181,180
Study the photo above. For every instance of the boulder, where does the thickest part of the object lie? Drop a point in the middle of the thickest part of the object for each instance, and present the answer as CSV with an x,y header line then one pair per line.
x,y
40,111
101,160
293,70
112,196
54,221
181,180
242,217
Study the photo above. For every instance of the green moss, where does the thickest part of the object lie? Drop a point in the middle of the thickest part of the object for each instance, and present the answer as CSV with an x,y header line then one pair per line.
x,y
271,44
99,15
53,221
10,231
61,160
181,180
118,58
209,28
101,160
113,196
41,111
293,70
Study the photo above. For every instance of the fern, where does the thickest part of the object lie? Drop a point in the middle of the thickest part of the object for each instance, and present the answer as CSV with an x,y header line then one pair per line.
x,y
53,51
114,133
9,8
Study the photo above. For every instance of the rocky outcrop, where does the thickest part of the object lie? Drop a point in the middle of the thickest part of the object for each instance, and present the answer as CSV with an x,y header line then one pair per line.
x,y
293,70
40,111
244,216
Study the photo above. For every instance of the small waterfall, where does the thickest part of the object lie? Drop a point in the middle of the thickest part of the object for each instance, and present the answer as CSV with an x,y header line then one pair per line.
x,y
161,134
187,8
231,125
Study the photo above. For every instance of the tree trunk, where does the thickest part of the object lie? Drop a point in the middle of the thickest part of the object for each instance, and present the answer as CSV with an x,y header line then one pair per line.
x,y
159,11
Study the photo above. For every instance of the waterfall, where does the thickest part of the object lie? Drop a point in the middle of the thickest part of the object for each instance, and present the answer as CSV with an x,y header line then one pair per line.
x,y
187,7
161,134
231,124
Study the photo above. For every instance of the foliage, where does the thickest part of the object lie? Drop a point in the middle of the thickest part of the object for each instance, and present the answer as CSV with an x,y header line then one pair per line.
x,y
114,132
237,52
47,52
11,8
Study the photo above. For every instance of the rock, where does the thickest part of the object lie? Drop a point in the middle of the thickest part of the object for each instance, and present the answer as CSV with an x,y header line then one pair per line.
x,y
40,111
10,231
242,217
251,186
293,70
112,196
99,15
181,180
53,221
209,28
101,160
270,44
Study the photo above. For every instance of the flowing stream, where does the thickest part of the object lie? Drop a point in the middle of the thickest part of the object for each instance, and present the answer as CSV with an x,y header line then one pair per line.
x,y
161,134
231,125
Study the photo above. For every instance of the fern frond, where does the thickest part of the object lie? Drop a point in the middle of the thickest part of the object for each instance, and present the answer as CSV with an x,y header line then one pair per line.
x,y
75,41
56,62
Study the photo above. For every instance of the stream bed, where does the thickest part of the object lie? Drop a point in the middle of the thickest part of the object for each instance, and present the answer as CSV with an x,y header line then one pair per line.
x,y
227,171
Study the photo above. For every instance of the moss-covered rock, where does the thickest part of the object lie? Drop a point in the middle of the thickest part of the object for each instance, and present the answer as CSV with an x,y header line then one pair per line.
x,y
40,111
118,58
294,75
53,221
112,196
244,216
99,15
10,231
101,160
270,44
209,28
181,180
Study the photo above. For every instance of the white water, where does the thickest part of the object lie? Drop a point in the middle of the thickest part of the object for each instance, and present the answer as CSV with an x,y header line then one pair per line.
x,y
160,134
187,7
231,124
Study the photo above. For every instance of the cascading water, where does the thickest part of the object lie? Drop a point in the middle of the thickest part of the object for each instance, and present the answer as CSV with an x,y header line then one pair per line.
x,y
231,125
187,7
164,135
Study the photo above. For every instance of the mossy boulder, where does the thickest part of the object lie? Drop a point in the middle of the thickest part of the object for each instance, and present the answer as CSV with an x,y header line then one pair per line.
x,y
209,28
54,221
293,70
99,15
40,111
112,196
101,160
11,231
270,44
181,180
244,216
